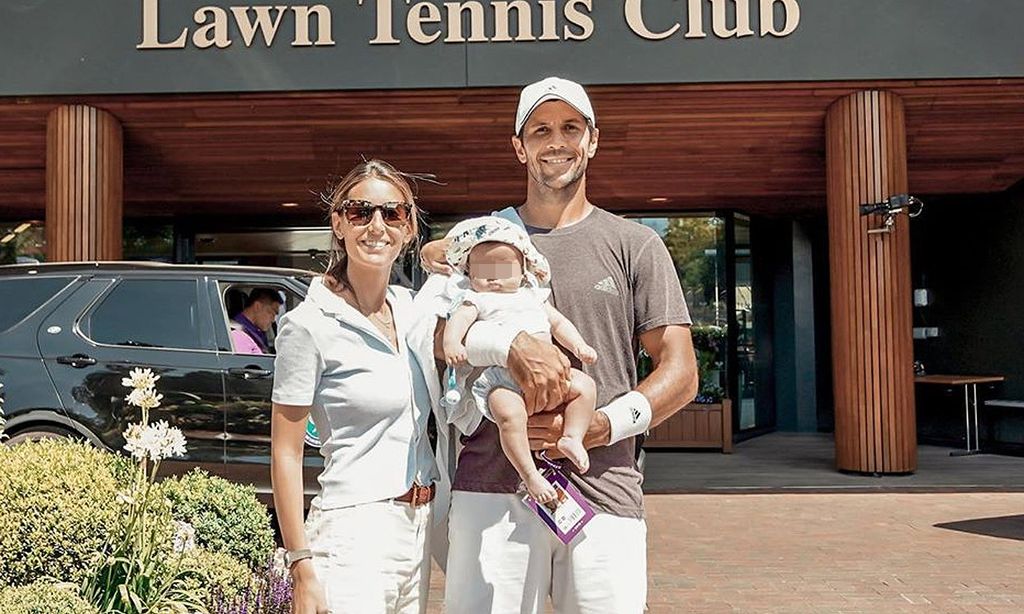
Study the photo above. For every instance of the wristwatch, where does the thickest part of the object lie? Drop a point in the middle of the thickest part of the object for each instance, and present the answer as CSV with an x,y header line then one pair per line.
x,y
292,557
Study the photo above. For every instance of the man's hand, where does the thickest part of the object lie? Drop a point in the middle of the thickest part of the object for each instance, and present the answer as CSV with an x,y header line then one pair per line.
x,y
432,257
544,429
541,370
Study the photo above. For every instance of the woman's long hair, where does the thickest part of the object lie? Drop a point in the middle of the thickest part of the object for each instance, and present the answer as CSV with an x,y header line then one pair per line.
x,y
337,274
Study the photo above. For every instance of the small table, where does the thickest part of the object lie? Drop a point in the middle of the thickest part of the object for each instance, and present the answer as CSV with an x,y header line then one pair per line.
x,y
969,382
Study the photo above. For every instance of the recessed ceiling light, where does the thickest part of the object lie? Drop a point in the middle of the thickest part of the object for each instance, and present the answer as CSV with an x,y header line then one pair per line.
x,y
289,205
657,199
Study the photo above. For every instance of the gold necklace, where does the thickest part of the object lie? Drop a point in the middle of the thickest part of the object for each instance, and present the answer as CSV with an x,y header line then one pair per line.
x,y
382,316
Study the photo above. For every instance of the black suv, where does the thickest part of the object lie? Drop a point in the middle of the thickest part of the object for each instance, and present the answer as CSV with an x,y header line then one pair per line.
x,y
70,332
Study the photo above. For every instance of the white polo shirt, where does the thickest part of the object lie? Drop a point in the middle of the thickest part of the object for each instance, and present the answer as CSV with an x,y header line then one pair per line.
x,y
369,402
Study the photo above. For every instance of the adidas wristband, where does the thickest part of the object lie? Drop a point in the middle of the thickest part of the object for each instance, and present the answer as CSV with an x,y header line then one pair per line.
x,y
628,416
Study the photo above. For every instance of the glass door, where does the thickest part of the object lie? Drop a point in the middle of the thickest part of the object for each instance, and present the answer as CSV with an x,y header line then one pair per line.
x,y
750,327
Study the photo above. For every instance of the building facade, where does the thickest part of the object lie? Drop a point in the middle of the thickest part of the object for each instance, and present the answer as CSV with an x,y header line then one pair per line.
x,y
748,133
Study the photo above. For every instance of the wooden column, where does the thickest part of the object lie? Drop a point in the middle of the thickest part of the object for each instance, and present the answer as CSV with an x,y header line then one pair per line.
x,y
872,352
84,183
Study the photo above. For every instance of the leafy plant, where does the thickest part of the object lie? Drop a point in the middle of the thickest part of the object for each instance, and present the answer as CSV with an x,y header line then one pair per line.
x,y
219,576
709,344
57,508
134,573
44,598
227,517
271,593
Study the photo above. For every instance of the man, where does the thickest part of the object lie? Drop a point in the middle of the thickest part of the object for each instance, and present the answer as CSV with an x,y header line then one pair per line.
x,y
249,327
615,281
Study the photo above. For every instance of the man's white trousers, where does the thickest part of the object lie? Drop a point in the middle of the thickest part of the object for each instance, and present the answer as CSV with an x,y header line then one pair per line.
x,y
503,559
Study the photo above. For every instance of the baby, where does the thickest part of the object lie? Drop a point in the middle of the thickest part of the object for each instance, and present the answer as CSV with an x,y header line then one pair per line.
x,y
504,271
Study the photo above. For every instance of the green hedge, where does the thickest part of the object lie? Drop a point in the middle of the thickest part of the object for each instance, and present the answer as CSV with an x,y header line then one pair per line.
x,y
227,517
43,598
221,574
59,506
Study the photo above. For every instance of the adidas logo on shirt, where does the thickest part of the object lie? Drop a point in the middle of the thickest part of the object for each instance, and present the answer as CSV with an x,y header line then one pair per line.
x,y
607,285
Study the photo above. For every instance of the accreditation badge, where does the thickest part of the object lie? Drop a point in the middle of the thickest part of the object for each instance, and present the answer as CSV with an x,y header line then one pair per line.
x,y
569,512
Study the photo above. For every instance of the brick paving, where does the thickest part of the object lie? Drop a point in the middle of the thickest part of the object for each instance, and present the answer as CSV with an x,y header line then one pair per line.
x,y
842,553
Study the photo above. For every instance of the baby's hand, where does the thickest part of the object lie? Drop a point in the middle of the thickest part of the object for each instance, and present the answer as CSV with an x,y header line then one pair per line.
x,y
455,356
586,354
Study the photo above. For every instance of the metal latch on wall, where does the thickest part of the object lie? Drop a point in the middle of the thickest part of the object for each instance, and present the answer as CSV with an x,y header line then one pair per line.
x,y
890,208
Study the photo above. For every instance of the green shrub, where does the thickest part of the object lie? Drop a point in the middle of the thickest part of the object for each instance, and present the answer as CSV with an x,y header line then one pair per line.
x,y
226,517
43,598
59,506
219,573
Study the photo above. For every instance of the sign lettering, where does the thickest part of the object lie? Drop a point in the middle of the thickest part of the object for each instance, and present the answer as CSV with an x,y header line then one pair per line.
x,y
469,21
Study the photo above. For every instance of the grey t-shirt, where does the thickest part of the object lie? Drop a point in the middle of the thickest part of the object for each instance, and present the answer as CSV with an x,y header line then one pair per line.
x,y
614,279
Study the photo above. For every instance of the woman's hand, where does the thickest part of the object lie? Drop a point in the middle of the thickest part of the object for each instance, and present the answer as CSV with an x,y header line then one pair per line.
x,y
308,595
432,257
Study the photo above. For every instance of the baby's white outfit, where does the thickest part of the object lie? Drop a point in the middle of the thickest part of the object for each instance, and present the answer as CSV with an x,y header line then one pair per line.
x,y
521,310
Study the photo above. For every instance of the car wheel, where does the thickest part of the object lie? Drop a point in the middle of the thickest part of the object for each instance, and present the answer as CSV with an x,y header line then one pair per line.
x,y
38,433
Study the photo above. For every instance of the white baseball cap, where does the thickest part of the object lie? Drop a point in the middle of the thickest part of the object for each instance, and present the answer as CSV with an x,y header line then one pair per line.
x,y
553,88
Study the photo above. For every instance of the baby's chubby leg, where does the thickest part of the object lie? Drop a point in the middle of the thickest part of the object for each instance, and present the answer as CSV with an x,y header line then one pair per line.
x,y
579,411
509,411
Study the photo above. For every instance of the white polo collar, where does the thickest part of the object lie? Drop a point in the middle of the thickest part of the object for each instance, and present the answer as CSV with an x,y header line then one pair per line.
x,y
333,305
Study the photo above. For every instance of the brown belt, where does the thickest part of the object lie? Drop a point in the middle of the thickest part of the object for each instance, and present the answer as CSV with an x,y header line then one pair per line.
x,y
418,495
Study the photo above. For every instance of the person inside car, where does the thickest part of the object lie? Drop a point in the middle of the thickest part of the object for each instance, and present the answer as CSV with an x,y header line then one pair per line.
x,y
249,327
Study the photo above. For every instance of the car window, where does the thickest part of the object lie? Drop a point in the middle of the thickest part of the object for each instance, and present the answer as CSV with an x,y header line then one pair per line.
x,y
252,313
148,313
23,296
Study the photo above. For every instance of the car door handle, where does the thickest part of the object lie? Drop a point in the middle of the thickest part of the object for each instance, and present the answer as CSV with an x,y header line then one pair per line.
x,y
250,372
77,361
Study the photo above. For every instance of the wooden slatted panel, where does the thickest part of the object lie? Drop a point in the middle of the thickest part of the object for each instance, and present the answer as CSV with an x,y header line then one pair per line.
x,y
757,147
84,179
871,290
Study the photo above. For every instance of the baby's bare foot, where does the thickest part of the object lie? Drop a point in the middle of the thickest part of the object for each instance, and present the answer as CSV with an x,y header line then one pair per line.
x,y
575,451
539,488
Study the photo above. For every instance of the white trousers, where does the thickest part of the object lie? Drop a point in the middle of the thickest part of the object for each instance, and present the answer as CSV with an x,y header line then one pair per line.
x,y
372,558
503,559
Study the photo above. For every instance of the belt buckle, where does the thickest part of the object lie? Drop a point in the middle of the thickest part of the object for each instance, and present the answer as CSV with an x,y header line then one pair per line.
x,y
420,495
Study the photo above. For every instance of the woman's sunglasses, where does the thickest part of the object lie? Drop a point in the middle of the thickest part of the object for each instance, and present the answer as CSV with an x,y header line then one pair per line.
x,y
360,212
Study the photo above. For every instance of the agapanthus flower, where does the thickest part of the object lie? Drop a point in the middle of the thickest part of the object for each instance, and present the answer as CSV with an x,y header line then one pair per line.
x,y
140,379
184,536
154,441
146,398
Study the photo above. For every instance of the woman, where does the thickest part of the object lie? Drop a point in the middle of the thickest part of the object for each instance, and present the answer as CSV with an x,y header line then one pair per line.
x,y
342,358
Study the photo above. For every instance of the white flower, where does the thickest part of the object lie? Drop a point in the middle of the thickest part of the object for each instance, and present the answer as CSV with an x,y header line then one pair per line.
x,y
146,398
154,441
140,379
184,537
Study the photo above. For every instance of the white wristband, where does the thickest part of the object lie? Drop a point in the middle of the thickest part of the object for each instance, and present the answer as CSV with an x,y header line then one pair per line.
x,y
628,416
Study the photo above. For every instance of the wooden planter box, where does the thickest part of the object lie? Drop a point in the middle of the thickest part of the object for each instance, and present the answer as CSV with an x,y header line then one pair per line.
x,y
695,426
